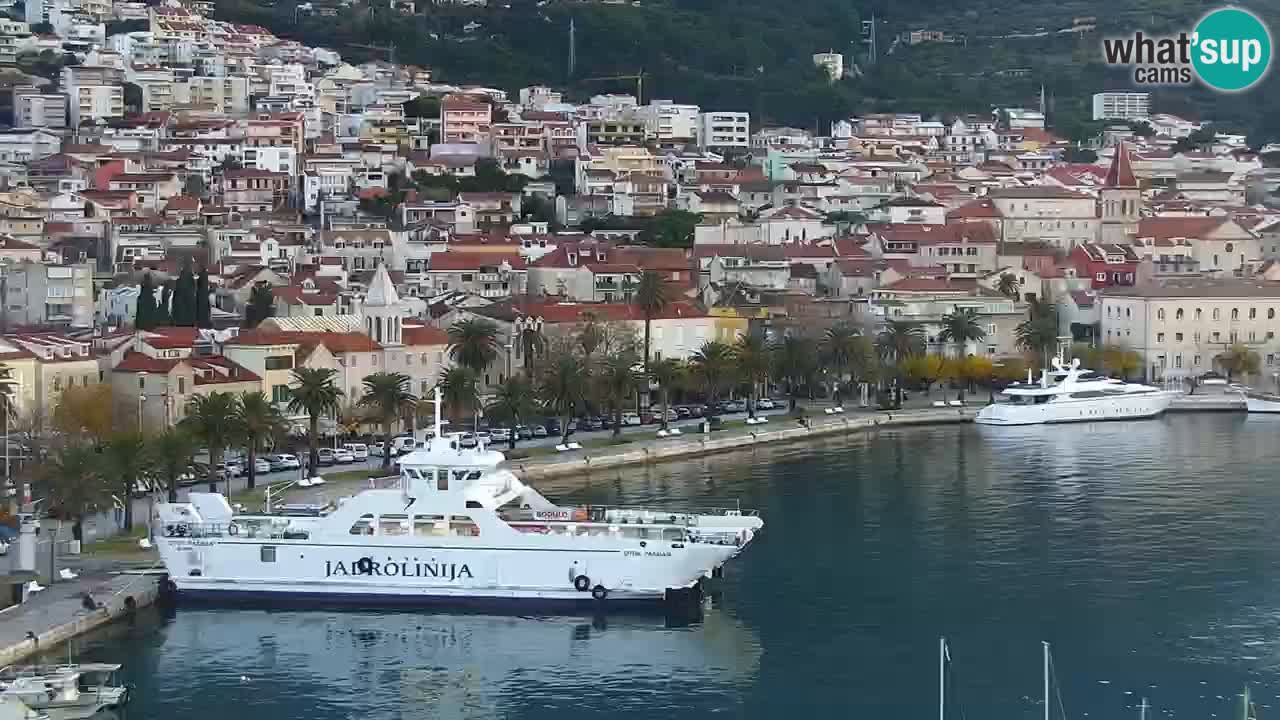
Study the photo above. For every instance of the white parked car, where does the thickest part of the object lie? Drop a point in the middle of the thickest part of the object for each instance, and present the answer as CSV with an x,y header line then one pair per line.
x,y
261,466
358,450
344,456
766,404
630,419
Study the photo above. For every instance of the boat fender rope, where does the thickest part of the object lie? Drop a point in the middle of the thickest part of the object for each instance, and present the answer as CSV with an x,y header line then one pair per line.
x,y
364,566
582,583
233,529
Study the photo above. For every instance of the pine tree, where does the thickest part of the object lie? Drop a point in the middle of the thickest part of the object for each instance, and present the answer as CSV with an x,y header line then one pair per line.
x,y
261,306
145,319
162,310
183,305
204,312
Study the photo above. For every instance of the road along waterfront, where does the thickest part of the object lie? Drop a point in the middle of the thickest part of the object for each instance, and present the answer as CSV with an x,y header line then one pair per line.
x,y
1145,551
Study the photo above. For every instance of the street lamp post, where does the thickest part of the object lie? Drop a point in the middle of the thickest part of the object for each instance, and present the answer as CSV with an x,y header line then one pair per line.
x,y
142,397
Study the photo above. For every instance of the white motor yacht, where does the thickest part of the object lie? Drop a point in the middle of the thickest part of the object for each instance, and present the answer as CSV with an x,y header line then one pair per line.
x,y
456,530
64,692
1073,394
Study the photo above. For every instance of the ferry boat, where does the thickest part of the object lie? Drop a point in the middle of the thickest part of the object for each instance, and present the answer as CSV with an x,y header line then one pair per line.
x,y
1073,394
455,530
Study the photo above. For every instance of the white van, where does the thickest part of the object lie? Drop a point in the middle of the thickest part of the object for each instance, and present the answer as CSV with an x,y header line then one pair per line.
x,y
359,451
403,444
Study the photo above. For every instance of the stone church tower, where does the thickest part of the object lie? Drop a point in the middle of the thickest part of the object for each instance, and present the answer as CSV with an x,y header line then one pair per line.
x,y
381,309
1121,201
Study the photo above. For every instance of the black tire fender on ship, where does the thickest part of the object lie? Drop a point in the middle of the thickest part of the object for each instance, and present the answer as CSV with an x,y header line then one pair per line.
x,y
599,592
364,566
233,529
582,583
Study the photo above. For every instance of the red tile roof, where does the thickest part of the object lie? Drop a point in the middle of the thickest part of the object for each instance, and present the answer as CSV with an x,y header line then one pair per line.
x,y
980,209
1169,228
423,335
575,312
453,260
137,362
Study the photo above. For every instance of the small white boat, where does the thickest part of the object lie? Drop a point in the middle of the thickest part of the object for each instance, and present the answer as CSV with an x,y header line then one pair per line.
x,y
64,692
1258,402
1073,394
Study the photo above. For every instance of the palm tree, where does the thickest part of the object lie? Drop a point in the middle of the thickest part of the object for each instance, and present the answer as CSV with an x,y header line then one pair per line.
x,y
213,419
960,326
1008,285
563,388
75,484
513,400
315,392
839,349
473,344
616,382
125,459
590,336
796,362
900,340
387,395
1238,359
712,365
1038,335
172,451
752,355
258,420
459,393
667,373
532,344
651,298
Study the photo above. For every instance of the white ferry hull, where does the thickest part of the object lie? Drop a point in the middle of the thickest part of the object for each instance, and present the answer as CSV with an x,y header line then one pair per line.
x,y
1256,403
1136,407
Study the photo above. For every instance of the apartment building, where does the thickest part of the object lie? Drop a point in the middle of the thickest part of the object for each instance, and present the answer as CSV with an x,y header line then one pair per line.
x,y
252,190
34,109
671,124
614,132
724,130
94,103
465,119
1121,106
228,94
39,294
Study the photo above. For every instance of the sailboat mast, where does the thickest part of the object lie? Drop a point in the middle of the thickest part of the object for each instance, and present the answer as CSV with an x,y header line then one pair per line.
x,y
942,678
1046,680
1142,710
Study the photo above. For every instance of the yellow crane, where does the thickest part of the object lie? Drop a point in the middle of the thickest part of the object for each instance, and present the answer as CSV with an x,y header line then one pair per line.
x,y
638,77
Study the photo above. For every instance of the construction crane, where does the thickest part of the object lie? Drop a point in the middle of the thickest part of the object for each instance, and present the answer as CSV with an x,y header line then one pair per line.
x,y
638,77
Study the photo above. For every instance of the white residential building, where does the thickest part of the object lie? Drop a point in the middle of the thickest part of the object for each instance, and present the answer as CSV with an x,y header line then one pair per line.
x,y
33,109
1121,106
724,130
670,123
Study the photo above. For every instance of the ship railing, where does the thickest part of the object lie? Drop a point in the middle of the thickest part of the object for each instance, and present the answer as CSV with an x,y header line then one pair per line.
x,y
273,531
716,537
194,530
721,510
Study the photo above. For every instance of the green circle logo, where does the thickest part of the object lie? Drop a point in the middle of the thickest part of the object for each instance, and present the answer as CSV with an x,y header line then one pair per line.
x,y
1231,49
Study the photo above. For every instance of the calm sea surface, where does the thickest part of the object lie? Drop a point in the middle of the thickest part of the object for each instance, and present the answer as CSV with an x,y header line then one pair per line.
x,y
1147,553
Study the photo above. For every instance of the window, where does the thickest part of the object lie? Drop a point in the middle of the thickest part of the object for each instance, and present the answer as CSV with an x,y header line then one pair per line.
x,y
1253,336
1160,314
267,553
1100,277
182,385
430,525
463,525
279,362
1253,313
1195,338
393,524
1177,337
1271,313
1195,361
1235,313
363,526
467,277
1177,361
1270,335
1177,315
1159,337
1217,337
1230,247
280,393
1216,314
1199,313
1128,312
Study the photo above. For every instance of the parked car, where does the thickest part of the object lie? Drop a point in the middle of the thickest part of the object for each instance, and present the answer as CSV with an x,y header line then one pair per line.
x,y
766,404
285,461
630,419
377,448
552,426
468,440
190,476
539,431
683,412
343,456
672,415
592,423
733,406
261,466
325,457
524,432
648,417
359,451
403,444
499,435
230,469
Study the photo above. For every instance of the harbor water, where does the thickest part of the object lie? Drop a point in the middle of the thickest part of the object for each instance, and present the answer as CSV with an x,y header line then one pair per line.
x,y
1145,552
